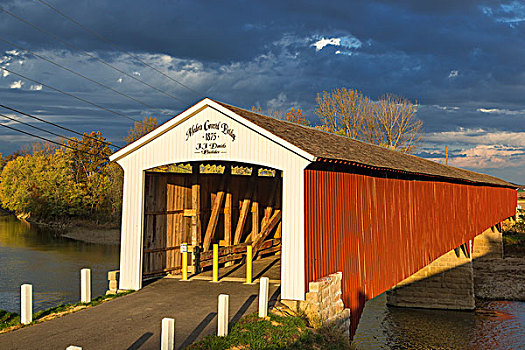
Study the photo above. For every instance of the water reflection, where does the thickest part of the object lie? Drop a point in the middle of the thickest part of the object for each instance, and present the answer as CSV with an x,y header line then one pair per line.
x,y
494,325
52,264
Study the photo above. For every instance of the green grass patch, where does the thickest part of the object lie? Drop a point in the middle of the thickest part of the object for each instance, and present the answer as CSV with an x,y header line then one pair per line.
x,y
10,319
275,332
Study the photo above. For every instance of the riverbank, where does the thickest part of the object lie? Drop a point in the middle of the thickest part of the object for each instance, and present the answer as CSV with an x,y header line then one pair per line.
x,y
500,279
79,230
97,235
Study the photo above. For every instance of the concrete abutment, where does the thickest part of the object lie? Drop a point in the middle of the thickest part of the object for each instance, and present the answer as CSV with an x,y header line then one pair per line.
x,y
323,303
448,282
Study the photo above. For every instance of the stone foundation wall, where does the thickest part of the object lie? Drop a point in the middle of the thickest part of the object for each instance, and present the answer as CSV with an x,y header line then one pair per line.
x,y
446,283
323,303
488,245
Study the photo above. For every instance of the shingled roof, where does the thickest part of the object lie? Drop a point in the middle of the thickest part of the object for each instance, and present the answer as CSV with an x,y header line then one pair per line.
x,y
327,146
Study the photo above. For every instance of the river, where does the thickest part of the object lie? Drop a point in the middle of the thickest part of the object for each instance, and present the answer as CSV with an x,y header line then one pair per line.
x,y
51,264
493,325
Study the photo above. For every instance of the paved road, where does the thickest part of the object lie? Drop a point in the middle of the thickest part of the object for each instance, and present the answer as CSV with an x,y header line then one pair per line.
x,y
133,321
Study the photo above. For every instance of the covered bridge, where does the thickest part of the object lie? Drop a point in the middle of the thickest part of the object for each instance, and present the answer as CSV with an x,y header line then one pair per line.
x,y
328,202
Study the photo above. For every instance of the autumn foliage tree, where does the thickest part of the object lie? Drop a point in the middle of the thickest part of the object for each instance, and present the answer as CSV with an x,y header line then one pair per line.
x,y
296,116
56,183
141,128
394,124
343,112
390,122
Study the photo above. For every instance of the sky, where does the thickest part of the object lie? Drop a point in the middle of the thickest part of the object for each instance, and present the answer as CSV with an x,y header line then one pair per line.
x,y
462,62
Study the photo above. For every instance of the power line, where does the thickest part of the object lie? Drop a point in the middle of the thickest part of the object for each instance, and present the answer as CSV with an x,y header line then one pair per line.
x,y
71,95
88,54
51,141
118,47
58,126
78,74
38,128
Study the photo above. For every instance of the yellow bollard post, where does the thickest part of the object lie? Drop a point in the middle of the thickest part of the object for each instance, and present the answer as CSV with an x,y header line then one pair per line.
x,y
184,249
215,263
249,265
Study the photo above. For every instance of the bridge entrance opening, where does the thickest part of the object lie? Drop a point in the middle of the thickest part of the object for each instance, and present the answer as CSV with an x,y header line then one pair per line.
x,y
229,204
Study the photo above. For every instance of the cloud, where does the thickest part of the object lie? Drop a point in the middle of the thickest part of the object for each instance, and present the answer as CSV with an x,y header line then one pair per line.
x,y
512,12
477,137
16,84
35,87
277,102
501,111
324,42
345,42
489,156
446,108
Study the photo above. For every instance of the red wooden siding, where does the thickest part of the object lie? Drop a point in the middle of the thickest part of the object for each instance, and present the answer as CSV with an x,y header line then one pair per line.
x,y
379,231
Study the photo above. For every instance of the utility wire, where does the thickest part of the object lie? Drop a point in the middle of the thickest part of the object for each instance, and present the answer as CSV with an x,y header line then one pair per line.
x,y
118,47
51,141
78,74
71,95
88,54
39,128
58,126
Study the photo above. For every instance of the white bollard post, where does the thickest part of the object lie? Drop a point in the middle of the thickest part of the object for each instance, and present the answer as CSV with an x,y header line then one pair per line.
x,y
167,339
26,303
73,347
85,285
263,296
222,317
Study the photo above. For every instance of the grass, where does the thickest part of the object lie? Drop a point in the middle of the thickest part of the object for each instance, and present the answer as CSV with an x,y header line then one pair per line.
x,y
10,320
275,332
514,236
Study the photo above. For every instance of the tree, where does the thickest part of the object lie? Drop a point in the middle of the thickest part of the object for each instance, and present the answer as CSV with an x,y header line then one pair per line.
x,y
88,155
140,129
343,112
296,116
390,122
394,124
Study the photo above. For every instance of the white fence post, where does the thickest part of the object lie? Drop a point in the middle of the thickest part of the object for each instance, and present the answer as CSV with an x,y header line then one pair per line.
x,y
167,340
26,303
85,285
263,296
222,317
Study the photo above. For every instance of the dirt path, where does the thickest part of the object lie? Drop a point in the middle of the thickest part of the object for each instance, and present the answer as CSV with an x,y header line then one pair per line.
x,y
133,321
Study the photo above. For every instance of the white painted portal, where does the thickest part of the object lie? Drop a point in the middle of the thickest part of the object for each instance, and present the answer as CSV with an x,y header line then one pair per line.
x,y
210,132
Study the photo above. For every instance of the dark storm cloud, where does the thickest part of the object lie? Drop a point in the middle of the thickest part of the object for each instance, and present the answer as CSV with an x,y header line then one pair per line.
x,y
455,58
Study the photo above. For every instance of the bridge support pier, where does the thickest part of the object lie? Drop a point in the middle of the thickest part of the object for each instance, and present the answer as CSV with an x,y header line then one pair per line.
x,y
488,245
452,280
446,283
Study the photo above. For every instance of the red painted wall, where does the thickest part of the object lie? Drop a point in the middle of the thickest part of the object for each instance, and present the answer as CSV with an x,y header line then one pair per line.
x,y
379,231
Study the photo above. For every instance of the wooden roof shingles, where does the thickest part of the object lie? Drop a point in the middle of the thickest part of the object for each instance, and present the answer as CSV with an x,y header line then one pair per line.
x,y
326,145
